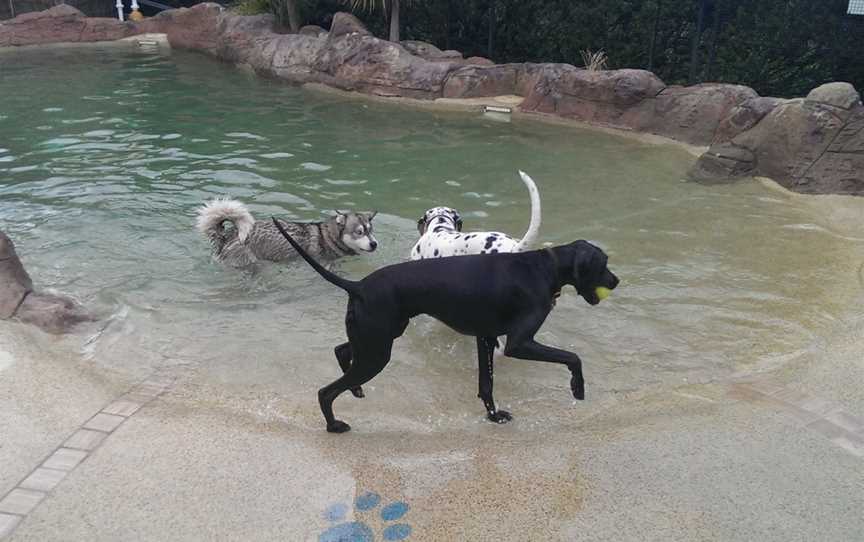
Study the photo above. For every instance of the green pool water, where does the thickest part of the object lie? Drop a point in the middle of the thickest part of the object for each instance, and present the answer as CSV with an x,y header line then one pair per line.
x,y
105,155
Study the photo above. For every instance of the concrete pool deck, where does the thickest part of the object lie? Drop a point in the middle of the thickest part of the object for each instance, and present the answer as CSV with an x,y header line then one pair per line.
x,y
776,456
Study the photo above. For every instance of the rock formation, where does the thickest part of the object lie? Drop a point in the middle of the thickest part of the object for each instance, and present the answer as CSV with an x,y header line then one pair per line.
x,y
52,313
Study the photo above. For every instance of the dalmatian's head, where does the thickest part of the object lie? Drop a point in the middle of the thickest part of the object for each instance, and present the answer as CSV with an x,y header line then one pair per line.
x,y
439,219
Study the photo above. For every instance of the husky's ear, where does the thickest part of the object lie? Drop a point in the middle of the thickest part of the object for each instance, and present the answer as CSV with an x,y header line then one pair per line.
x,y
340,217
371,215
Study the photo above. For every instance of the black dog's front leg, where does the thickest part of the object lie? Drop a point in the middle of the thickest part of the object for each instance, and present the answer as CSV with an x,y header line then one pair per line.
x,y
343,356
532,350
485,350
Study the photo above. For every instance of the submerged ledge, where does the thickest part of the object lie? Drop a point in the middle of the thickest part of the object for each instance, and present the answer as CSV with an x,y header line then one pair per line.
x,y
811,145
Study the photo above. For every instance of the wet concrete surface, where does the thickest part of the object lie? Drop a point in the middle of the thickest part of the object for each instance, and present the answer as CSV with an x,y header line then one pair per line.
x,y
721,461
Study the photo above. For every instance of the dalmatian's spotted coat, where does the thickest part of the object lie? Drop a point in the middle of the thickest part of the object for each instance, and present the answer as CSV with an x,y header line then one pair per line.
x,y
441,232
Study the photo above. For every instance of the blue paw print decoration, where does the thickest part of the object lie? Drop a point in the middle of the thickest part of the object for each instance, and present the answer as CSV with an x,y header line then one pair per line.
x,y
358,531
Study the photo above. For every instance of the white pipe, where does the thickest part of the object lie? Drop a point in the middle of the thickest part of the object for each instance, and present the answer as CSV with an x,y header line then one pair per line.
x,y
120,9
134,5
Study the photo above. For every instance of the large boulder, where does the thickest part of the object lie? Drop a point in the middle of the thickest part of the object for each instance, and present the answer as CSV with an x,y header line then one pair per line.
x,y
478,61
842,95
692,114
601,97
375,66
812,145
744,116
15,283
427,50
791,138
840,169
195,28
242,37
479,81
294,56
61,24
312,30
723,162
346,24
52,312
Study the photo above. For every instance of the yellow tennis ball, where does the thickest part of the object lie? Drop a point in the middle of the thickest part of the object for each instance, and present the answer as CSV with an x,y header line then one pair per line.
x,y
602,293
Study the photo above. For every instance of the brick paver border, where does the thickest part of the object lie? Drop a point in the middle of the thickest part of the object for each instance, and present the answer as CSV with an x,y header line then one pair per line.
x,y
32,490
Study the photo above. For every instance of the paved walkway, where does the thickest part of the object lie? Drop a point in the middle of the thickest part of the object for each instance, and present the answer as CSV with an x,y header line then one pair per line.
x,y
778,456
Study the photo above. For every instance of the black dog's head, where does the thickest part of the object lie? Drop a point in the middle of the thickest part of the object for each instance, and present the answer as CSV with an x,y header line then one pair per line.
x,y
590,276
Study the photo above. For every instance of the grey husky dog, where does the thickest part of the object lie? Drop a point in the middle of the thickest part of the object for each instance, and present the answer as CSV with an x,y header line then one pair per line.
x,y
251,241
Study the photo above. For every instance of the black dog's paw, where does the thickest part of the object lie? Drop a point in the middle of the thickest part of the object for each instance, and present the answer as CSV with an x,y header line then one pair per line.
x,y
358,392
500,416
338,426
577,386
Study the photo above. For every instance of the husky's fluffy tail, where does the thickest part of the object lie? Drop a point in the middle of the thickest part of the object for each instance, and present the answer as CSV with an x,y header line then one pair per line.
x,y
213,214
534,226
350,286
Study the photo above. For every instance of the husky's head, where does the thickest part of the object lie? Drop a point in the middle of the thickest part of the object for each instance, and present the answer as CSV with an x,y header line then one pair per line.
x,y
356,231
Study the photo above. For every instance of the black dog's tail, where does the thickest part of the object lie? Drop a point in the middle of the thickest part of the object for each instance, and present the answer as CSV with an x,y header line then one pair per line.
x,y
350,286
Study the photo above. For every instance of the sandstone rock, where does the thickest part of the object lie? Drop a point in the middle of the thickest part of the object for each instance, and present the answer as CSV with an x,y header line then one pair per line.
x,y
722,162
790,138
744,116
188,28
479,81
294,58
52,313
693,114
369,64
61,24
15,283
840,169
422,49
842,95
312,30
478,61
345,23
243,37
601,97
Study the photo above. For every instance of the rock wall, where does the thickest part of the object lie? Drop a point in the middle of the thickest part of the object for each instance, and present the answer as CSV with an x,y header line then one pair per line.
x,y
813,145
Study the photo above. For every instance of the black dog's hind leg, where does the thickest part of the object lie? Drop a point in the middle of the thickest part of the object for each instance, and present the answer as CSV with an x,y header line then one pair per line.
x,y
367,362
485,350
343,356
521,345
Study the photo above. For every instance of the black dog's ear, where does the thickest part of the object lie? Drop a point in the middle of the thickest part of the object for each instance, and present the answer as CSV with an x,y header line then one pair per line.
x,y
421,225
582,256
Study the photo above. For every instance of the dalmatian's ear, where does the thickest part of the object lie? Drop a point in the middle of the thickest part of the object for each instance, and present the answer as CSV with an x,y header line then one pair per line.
x,y
458,221
340,217
421,225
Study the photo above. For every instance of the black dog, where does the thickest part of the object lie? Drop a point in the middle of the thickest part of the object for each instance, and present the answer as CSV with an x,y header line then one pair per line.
x,y
485,296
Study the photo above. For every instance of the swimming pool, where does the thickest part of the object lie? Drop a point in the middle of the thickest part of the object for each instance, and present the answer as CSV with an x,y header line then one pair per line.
x,y
105,155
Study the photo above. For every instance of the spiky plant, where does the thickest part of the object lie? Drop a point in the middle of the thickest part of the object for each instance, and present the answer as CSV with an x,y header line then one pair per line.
x,y
391,6
594,62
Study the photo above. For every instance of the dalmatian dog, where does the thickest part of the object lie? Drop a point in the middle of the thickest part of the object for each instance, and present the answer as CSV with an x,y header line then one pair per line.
x,y
441,232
